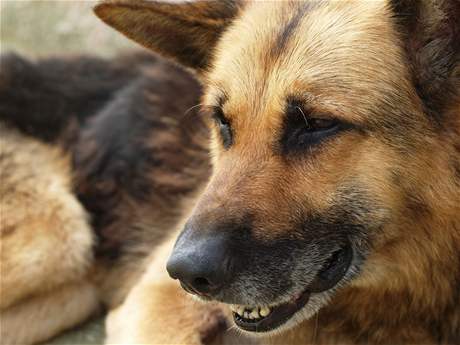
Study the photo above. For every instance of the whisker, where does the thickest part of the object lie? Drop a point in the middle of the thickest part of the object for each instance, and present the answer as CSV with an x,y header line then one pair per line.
x,y
191,108
315,332
230,328
304,117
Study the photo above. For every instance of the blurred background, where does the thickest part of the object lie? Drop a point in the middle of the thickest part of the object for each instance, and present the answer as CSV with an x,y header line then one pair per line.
x,y
38,28
42,27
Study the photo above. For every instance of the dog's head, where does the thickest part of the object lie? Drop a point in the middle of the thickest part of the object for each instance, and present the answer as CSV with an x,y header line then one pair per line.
x,y
324,117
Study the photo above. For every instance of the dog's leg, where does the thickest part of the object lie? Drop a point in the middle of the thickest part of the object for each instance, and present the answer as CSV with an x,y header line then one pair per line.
x,y
40,318
42,253
45,239
45,243
158,311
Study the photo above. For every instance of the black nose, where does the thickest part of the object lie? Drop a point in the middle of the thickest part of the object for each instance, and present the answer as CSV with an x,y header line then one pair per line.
x,y
202,265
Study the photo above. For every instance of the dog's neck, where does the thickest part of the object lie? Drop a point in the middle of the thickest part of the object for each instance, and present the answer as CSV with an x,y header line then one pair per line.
x,y
411,290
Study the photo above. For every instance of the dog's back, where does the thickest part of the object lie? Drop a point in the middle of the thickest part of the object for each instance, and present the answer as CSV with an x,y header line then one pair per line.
x,y
42,97
89,146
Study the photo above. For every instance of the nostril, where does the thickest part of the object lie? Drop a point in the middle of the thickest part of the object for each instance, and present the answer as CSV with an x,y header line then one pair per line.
x,y
201,284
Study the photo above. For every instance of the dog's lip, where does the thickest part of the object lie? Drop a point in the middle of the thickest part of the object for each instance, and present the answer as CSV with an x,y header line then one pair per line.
x,y
333,270
329,276
279,315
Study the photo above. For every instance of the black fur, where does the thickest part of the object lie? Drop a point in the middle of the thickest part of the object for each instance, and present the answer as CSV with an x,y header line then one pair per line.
x,y
45,97
172,30
431,39
289,30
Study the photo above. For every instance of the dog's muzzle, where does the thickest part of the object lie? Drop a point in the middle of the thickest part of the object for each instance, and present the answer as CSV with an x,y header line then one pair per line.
x,y
206,263
266,318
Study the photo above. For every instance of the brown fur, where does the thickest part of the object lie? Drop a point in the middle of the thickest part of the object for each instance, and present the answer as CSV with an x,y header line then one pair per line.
x,y
90,182
392,76
137,183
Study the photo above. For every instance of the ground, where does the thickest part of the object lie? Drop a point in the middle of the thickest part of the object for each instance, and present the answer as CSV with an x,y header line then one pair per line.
x,y
41,28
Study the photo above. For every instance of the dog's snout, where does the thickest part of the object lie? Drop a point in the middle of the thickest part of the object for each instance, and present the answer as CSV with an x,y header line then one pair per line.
x,y
202,266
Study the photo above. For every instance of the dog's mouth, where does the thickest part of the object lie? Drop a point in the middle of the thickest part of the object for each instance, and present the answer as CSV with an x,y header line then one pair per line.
x,y
269,317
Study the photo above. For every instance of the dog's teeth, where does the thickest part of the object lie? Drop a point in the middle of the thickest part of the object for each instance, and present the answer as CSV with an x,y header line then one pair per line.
x,y
255,313
252,313
264,311
237,309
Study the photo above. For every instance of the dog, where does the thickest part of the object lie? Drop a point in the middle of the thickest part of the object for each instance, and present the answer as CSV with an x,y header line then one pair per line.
x,y
98,160
332,215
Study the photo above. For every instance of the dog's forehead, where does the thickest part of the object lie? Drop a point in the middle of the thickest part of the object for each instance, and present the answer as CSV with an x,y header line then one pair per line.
x,y
338,52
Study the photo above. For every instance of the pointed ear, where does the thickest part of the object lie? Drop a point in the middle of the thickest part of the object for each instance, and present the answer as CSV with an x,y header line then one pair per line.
x,y
431,31
184,31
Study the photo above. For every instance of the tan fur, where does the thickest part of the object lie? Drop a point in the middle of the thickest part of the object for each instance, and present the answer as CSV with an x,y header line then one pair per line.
x,y
41,317
45,242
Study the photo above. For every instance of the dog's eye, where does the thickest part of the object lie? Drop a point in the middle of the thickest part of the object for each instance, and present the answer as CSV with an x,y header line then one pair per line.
x,y
302,130
321,124
224,128
313,131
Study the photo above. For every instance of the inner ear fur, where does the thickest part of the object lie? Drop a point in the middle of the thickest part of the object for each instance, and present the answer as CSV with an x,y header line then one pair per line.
x,y
187,32
431,35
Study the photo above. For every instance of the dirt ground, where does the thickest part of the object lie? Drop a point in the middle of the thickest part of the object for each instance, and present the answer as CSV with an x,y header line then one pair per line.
x,y
37,28
43,27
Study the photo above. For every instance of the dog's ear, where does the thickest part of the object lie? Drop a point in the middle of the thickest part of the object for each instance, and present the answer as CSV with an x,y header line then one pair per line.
x,y
185,31
431,34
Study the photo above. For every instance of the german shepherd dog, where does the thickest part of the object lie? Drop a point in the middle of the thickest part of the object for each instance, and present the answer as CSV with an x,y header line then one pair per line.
x,y
333,212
